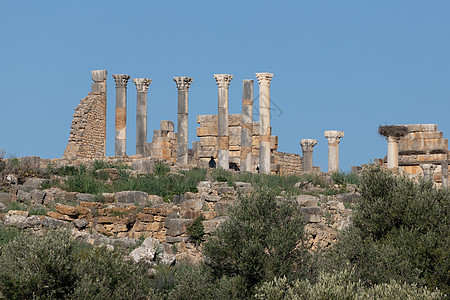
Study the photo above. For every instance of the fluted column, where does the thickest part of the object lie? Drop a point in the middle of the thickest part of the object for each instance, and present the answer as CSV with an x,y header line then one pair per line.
x,y
307,149
183,84
392,155
121,114
141,115
333,137
223,82
428,171
264,80
247,125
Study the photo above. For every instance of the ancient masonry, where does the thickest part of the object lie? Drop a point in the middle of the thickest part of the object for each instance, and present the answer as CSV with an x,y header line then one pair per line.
x,y
88,131
419,150
234,140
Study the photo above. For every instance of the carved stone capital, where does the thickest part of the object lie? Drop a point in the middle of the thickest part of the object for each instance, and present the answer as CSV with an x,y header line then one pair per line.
x,y
308,144
223,80
333,136
428,169
392,139
264,79
142,84
183,83
121,80
99,75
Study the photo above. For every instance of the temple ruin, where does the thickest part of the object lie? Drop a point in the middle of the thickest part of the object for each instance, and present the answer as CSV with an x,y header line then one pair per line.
x,y
236,141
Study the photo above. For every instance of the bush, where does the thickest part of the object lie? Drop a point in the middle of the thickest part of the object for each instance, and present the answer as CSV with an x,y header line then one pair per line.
x,y
196,231
345,178
55,267
400,230
259,241
341,286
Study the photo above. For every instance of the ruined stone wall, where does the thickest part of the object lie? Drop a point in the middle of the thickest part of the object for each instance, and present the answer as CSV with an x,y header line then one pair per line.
x,y
290,163
208,131
164,143
88,131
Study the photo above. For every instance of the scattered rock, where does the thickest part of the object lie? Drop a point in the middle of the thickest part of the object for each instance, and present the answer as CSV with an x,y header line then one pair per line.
x,y
34,183
85,197
176,227
136,197
80,223
153,251
37,197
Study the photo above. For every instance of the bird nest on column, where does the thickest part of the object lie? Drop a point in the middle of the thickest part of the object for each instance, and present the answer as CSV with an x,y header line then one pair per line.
x,y
393,130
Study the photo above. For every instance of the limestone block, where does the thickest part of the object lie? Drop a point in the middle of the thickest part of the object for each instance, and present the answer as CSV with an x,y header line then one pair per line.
x,y
167,126
207,131
206,119
209,226
156,133
67,210
132,197
235,153
176,227
234,120
234,148
208,141
234,136
421,127
207,152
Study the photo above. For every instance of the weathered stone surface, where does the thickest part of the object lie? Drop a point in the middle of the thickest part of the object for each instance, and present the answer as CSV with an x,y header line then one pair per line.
x,y
23,213
80,223
335,205
5,197
209,226
67,210
58,216
144,166
193,204
243,187
37,196
15,220
311,214
23,196
210,198
153,251
85,197
33,221
349,197
176,227
222,207
136,197
34,182
307,200
224,190
145,217
52,223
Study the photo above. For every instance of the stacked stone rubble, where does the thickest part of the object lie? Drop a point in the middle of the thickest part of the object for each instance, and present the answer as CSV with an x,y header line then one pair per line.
x,y
208,131
164,143
88,130
424,144
289,163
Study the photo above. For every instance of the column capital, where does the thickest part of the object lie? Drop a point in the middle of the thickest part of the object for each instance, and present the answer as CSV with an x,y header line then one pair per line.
x,y
428,169
121,80
142,84
99,75
333,136
308,144
392,139
264,79
223,80
183,83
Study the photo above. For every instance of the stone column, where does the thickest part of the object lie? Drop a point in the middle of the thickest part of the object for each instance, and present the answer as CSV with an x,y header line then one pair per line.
x,y
183,84
307,149
444,171
141,115
99,78
247,125
99,86
428,171
264,80
333,137
121,114
392,155
223,82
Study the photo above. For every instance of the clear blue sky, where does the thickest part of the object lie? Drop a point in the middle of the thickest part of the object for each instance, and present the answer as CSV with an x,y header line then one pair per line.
x,y
338,65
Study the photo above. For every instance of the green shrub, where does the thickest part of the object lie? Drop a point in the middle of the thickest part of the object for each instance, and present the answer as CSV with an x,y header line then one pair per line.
x,y
345,178
400,230
7,234
259,241
341,286
196,231
161,169
55,267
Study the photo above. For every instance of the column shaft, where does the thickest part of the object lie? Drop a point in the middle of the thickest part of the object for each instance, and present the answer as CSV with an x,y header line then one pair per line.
x,y
183,84
392,155
247,125
223,82
307,150
334,138
264,121
121,114
141,115
444,171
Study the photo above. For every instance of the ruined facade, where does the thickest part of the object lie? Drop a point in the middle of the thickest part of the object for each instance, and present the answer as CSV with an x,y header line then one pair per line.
x,y
88,130
164,143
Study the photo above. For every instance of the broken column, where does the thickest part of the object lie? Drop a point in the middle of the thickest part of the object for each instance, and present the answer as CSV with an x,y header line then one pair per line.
x,y
307,149
121,113
444,173
223,82
247,125
264,80
141,115
428,171
99,78
183,84
393,133
333,137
